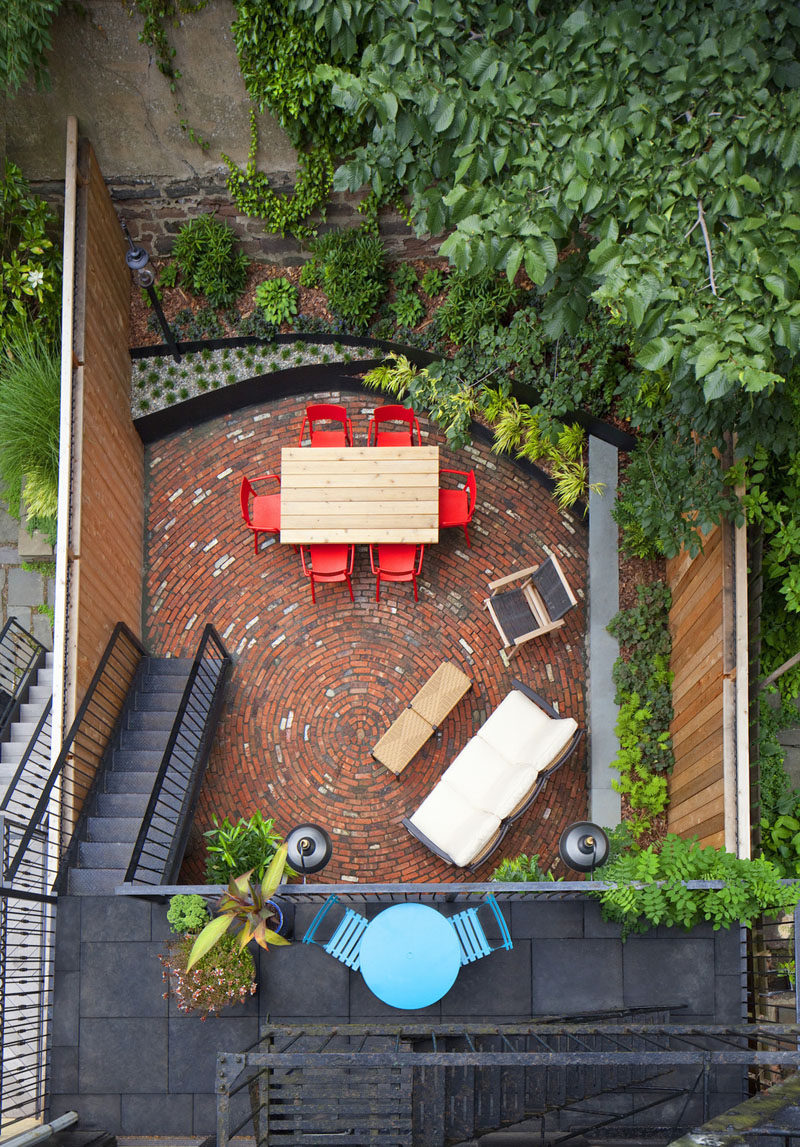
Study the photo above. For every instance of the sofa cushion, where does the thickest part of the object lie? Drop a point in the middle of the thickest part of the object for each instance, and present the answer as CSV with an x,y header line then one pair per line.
x,y
454,824
485,779
524,734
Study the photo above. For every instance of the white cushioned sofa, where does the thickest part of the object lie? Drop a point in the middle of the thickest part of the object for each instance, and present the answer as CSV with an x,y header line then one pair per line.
x,y
494,779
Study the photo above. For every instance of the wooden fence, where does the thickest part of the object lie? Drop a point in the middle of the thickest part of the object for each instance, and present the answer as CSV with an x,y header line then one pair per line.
x,y
101,492
706,729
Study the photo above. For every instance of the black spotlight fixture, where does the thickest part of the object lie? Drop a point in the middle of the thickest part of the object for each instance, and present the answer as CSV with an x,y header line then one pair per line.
x,y
309,848
583,846
137,260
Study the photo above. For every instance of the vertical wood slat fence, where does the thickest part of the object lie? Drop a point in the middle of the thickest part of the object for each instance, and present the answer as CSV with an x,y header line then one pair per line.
x,y
101,494
705,622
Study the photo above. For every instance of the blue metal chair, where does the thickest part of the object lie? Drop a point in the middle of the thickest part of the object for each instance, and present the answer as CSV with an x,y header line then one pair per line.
x,y
471,935
345,943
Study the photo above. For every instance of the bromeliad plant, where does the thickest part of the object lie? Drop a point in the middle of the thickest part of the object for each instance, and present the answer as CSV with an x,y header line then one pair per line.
x,y
246,905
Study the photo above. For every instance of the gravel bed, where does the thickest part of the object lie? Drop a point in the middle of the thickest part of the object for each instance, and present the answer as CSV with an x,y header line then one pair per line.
x,y
159,382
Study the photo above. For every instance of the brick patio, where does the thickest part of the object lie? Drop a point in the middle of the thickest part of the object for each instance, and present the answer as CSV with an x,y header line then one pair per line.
x,y
314,687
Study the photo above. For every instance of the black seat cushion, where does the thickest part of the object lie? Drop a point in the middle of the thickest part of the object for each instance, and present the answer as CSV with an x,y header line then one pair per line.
x,y
552,590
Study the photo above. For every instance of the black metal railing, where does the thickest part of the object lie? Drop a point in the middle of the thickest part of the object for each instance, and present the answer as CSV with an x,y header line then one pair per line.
x,y
27,930
25,787
159,848
73,777
21,657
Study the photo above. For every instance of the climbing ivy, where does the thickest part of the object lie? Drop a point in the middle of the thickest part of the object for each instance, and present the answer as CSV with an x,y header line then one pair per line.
x,y
642,152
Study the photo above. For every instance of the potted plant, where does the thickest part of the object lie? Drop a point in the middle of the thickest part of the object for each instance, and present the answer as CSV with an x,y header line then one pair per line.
x,y
247,907
223,977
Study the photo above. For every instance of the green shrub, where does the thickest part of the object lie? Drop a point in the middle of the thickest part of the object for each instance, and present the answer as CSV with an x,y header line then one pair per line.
x,y
472,302
433,282
352,273
30,265
237,848
187,913
751,887
30,393
206,250
407,308
309,273
521,869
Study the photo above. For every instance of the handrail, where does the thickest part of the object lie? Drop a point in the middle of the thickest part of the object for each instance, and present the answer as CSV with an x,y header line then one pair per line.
x,y
97,719
43,750
21,656
166,822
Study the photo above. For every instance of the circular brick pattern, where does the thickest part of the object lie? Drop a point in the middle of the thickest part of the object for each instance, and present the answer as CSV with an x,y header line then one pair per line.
x,y
315,686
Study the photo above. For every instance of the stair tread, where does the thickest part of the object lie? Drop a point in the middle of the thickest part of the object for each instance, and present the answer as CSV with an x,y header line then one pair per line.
x,y
113,828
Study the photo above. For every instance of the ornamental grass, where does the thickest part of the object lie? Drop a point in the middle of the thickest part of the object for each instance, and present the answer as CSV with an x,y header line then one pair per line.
x,y
223,977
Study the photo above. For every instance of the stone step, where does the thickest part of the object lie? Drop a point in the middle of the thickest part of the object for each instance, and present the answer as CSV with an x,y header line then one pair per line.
x,y
149,720
130,782
137,760
121,804
113,829
142,739
168,666
21,732
166,701
40,693
104,854
95,881
31,712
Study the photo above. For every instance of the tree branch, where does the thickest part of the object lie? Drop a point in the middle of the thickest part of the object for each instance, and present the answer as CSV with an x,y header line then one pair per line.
x,y
701,219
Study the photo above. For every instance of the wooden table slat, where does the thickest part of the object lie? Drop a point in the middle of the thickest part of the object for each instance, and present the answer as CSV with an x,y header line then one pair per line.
x,y
359,494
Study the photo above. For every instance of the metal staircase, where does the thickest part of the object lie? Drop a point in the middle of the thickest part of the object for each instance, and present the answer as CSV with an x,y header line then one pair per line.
x,y
114,817
22,731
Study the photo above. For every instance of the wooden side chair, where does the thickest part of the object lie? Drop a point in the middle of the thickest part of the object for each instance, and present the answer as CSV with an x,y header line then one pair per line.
x,y
528,604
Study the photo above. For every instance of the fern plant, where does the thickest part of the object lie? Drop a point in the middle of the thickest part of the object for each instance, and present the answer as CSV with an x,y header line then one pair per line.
x,y
648,887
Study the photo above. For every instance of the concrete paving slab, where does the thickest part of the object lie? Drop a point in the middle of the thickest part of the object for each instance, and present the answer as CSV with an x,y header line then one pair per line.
x,y
8,527
25,587
604,803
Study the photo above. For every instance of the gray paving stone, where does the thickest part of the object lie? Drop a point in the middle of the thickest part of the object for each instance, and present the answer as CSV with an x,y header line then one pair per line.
x,y
123,1055
25,587
66,1013
303,979
157,1114
121,980
603,595
576,975
41,629
122,917
193,1047
669,971
64,1069
498,985
551,918
8,527
23,615
594,925
68,934
97,1110
9,555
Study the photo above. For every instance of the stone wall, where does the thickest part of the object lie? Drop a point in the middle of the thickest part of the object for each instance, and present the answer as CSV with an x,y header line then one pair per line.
x,y
157,177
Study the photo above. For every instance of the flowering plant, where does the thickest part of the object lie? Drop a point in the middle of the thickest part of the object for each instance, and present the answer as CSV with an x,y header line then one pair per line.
x,y
219,979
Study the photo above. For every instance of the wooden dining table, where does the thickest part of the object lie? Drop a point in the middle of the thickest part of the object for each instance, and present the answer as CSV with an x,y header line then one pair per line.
x,y
359,494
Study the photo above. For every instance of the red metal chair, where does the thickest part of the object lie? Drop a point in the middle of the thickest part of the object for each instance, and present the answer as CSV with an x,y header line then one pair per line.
x,y
328,563
396,562
265,515
456,507
395,437
341,435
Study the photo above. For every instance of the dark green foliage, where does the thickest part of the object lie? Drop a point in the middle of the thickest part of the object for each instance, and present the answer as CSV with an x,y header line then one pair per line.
x,y
24,42
472,302
309,274
408,308
750,888
277,299
206,251
234,849
30,264
521,870
352,273
433,282
644,637
673,492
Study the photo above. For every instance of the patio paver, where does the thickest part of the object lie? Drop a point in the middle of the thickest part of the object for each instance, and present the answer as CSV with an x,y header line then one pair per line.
x,y
315,687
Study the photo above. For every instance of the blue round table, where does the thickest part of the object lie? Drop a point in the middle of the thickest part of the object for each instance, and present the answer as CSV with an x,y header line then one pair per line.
x,y
410,956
